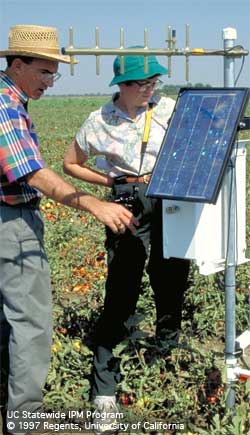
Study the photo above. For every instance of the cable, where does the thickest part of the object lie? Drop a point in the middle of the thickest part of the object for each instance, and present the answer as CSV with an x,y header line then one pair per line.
x,y
231,188
227,50
240,71
235,47
236,204
242,63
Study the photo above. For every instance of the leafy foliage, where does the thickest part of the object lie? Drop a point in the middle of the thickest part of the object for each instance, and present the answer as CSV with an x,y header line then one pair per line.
x,y
161,379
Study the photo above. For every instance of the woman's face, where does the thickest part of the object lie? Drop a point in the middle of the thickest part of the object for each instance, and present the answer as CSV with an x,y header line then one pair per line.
x,y
139,91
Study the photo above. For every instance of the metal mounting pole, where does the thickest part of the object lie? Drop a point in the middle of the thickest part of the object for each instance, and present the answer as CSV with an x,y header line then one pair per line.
x,y
229,36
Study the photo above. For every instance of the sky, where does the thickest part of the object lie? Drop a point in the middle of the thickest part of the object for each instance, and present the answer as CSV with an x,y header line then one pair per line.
x,y
207,19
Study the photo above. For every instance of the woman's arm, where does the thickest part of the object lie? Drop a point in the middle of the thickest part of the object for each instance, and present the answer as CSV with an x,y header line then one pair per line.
x,y
74,165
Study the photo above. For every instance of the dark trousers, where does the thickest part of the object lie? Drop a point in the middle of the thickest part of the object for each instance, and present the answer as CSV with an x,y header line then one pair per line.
x,y
127,254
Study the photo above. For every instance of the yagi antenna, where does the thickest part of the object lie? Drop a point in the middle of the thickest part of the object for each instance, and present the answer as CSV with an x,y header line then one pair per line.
x,y
168,52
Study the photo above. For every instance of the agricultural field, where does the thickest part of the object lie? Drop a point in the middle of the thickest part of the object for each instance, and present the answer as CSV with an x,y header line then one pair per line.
x,y
161,381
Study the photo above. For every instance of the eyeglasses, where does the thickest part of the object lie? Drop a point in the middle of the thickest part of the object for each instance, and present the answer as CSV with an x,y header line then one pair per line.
x,y
50,77
144,86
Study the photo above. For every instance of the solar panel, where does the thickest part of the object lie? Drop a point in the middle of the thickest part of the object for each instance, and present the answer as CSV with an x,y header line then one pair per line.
x,y
198,143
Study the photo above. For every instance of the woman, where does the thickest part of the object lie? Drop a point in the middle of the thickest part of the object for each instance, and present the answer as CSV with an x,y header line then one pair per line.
x,y
128,132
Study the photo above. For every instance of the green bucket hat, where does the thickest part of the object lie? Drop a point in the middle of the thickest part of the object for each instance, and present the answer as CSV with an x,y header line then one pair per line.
x,y
134,68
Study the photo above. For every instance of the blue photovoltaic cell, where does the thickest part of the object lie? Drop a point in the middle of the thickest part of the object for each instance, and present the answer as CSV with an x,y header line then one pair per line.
x,y
198,143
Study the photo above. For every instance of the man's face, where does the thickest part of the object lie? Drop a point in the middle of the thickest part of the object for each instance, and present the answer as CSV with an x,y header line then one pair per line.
x,y
35,78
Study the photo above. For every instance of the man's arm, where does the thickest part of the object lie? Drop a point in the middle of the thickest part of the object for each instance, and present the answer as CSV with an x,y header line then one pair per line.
x,y
53,186
73,165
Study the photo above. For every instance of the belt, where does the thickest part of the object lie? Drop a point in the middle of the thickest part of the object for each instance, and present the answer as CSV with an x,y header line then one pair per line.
x,y
33,203
123,179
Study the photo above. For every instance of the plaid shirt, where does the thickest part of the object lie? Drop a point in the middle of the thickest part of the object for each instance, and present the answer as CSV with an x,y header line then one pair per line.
x,y
19,154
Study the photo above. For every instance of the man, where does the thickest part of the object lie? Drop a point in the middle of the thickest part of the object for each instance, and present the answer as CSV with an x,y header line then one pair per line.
x,y
128,132
32,63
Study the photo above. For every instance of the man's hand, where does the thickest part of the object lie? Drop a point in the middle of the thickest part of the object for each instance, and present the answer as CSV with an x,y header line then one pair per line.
x,y
115,216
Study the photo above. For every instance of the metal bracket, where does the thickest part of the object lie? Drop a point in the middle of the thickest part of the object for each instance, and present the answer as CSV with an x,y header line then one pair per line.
x,y
245,123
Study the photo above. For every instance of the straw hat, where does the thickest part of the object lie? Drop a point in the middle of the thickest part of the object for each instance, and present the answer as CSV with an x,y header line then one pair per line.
x,y
35,41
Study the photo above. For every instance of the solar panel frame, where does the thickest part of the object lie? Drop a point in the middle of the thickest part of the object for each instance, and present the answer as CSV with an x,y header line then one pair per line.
x,y
220,165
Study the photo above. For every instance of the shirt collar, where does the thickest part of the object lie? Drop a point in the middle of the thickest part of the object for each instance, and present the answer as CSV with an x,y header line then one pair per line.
x,y
12,87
